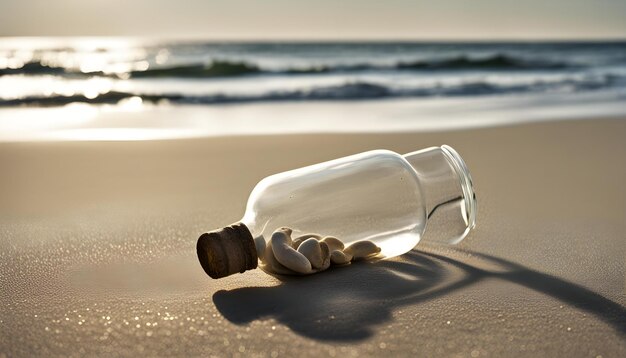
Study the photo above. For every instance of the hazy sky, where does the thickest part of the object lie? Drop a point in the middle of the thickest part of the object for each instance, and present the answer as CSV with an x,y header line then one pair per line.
x,y
320,19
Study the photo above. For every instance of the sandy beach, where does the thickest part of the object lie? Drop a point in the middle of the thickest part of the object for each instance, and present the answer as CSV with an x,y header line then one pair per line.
x,y
97,251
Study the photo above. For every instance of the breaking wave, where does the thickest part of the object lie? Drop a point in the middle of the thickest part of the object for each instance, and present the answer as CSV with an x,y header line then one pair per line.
x,y
346,91
234,68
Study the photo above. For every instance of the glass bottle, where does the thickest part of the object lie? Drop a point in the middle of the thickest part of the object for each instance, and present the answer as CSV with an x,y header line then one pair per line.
x,y
392,200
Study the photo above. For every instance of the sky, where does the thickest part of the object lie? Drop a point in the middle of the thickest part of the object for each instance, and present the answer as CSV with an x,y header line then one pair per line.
x,y
318,20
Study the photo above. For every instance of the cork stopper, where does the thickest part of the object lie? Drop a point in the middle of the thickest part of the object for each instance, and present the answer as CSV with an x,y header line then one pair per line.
x,y
227,251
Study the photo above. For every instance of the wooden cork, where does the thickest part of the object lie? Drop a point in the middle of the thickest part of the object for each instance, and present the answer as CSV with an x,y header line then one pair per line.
x,y
227,251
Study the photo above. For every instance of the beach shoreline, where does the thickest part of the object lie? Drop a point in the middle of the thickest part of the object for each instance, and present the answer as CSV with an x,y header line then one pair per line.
x,y
98,249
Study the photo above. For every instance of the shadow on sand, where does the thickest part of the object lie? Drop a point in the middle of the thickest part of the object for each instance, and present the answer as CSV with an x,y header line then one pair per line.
x,y
346,304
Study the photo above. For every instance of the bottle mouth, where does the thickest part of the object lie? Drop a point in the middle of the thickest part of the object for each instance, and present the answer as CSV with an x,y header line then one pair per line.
x,y
226,251
465,180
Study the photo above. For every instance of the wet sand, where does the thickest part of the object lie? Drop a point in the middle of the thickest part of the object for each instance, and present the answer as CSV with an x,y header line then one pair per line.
x,y
97,252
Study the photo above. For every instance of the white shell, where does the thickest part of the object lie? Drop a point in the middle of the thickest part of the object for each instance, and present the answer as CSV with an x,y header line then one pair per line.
x,y
339,258
271,264
286,255
311,249
333,243
362,250
300,239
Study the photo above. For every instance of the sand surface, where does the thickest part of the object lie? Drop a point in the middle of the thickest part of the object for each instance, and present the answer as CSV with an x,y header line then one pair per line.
x,y
97,252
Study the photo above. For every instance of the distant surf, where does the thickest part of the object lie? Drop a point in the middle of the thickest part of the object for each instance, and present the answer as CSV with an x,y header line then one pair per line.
x,y
222,73
357,91
227,68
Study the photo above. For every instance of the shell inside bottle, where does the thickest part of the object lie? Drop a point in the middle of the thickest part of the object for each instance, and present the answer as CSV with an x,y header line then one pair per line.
x,y
309,253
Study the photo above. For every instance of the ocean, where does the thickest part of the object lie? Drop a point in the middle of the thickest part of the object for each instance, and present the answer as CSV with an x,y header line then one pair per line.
x,y
562,76
215,73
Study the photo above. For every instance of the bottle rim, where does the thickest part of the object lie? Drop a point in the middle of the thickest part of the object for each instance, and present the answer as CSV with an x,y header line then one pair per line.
x,y
465,180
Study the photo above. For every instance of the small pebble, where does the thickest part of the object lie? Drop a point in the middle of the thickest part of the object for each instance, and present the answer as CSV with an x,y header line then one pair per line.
x,y
300,239
311,249
286,255
337,257
361,250
333,243
271,264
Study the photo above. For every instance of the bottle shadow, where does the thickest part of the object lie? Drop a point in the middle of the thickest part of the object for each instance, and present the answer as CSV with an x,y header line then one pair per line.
x,y
346,304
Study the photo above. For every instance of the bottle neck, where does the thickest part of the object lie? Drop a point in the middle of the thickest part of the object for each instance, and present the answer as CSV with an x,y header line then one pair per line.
x,y
447,189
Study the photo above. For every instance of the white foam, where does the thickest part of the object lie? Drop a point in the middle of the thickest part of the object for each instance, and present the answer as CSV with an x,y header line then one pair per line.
x,y
132,120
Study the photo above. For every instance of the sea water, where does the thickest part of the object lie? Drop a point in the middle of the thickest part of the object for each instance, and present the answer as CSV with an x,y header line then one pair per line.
x,y
562,77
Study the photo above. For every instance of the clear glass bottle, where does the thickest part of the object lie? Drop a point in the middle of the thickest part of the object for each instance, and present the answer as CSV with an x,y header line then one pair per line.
x,y
392,200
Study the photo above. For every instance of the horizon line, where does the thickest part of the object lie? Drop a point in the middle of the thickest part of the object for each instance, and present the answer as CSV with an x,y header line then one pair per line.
x,y
198,38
